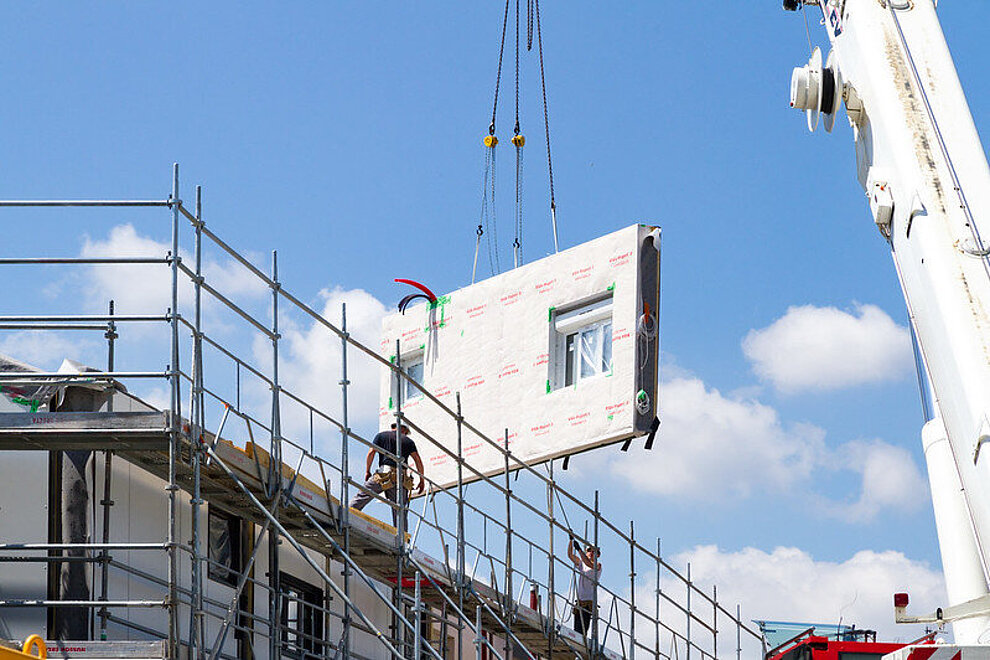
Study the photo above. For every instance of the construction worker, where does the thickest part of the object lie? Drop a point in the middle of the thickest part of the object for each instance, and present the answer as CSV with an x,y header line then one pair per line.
x,y
589,570
386,476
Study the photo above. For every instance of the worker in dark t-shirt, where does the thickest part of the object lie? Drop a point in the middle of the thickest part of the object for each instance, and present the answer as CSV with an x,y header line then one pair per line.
x,y
386,477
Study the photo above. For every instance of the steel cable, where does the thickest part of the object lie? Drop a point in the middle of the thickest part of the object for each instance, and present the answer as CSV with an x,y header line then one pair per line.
x,y
546,123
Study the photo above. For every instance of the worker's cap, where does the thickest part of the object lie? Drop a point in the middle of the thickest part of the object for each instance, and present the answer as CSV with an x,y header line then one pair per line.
x,y
405,429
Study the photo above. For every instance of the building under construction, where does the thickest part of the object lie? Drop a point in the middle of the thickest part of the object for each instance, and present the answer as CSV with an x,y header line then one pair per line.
x,y
211,519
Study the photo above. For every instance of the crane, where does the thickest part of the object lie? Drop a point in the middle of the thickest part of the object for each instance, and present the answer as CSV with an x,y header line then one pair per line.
x,y
920,162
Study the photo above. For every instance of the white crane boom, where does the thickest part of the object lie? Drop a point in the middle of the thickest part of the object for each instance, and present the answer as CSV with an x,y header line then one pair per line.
x,y
920,161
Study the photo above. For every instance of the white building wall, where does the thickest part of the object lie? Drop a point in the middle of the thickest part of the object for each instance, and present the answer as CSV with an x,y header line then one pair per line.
x,y
23,518
140,515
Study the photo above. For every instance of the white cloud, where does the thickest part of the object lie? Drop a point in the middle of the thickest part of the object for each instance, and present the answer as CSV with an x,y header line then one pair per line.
x,y
824,348
310,364
890,480
135,288
713,447
44,349
157,397
788,584
147,288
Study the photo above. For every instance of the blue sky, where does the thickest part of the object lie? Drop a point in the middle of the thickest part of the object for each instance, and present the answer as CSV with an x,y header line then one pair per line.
x,y
348,136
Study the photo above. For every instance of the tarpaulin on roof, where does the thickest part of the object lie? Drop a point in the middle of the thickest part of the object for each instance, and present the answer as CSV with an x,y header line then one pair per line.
x,y
34,395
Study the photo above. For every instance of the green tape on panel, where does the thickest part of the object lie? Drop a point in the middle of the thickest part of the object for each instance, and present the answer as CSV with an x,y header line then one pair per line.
x,y
611,287
443,300
550,313
548,386
31,403
440,302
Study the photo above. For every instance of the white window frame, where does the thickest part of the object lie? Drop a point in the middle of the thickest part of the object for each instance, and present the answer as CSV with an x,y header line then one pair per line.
x,y
410,363
568,326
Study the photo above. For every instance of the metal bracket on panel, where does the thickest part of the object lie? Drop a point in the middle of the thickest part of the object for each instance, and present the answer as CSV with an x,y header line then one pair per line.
x,y
654,427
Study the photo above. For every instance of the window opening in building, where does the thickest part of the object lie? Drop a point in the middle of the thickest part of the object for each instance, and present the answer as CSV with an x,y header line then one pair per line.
x,y
582,342
301,617
224,547
414,366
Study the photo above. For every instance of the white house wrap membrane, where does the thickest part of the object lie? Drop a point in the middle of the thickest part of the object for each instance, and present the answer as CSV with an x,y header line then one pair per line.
x,y
561,352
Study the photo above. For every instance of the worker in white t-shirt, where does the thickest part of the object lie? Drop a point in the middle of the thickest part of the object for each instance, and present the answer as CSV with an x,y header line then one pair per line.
x,y
589,570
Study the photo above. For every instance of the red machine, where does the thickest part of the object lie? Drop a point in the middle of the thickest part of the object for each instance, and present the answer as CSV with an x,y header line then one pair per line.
x,y
808,646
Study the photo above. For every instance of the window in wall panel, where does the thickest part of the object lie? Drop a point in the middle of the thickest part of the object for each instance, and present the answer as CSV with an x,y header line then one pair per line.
x,y
582,342
413,365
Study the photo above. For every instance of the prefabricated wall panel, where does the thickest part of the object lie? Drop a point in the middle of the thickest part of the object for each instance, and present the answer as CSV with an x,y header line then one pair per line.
x,y
502,343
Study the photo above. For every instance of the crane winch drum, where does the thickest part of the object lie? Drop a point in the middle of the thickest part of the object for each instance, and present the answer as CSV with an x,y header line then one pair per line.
x,y
818,90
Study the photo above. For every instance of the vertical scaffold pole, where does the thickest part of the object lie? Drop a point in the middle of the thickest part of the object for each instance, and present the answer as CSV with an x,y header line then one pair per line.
x,y
417,642
478,633
656,641
689,615
714,621
197,418
509,609
111,337
345,509
174,428
398,631
107,502
738,632
594,605
632,591
551,588
461,560
275,478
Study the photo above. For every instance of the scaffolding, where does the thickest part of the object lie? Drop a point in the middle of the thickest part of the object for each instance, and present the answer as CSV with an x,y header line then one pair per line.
x,y
506,589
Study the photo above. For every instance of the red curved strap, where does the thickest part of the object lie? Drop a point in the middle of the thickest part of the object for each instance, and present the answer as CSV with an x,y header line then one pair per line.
x,y
419,286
